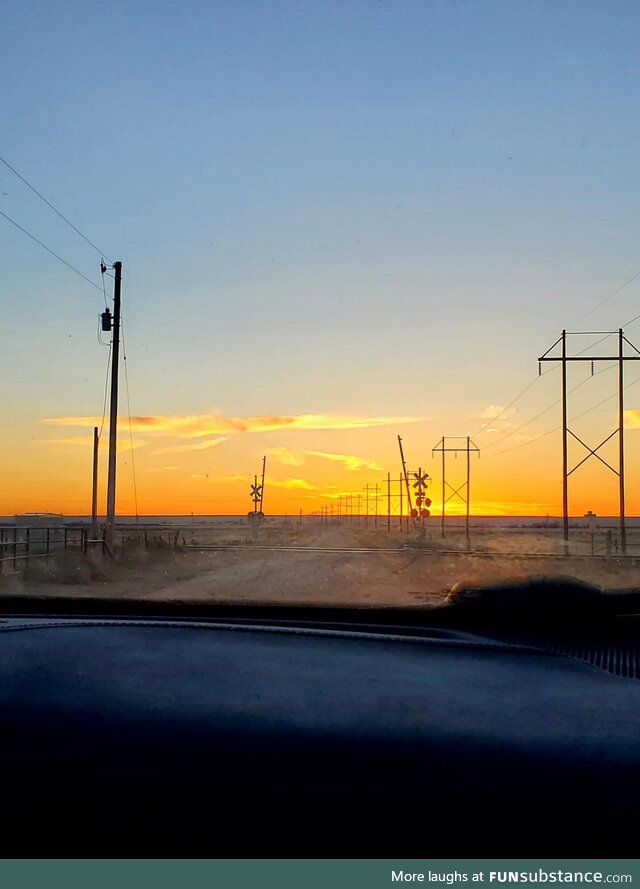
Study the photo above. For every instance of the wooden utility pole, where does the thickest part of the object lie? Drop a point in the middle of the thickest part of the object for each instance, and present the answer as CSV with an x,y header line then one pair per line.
x,y
619,359
388,501
113,415
468,491
565,463
94,486
468,448
444,499
623,521
404,472
264,465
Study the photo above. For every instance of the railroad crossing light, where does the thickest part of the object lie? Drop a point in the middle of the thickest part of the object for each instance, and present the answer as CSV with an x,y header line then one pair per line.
x,y
107,321
427,501
425,513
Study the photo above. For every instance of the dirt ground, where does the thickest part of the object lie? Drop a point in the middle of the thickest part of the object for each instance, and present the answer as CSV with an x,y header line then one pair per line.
x,y
398,572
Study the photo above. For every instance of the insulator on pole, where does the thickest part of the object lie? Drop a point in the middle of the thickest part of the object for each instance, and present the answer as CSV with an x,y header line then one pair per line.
x,y
539,368
592,368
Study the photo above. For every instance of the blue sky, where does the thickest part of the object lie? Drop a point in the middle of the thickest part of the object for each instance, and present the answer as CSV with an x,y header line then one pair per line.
x,y
385,208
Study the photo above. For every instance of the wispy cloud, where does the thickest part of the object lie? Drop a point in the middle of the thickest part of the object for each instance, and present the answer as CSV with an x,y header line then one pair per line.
x,y
86,441
497,418
198,425
199,446
291,484
222,479
349,461
632,419
336,495
284,456
491,411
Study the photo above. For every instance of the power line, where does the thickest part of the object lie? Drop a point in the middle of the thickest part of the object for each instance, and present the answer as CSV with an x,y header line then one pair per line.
x,y
548,408
608,297
511,403
55,210
590,346
49,250
555,428
517,429
632,321
524,443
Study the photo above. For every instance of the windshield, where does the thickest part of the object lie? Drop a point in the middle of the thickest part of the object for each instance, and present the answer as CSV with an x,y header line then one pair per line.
x,y
332,303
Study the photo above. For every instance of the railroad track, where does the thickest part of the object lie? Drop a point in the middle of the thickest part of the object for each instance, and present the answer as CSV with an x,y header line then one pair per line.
x,y
405,550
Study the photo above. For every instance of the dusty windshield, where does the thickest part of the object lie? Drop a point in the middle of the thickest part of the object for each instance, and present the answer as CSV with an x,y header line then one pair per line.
x,y
318,302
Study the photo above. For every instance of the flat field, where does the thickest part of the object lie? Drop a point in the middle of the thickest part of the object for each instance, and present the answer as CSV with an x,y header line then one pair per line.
x,y
324,564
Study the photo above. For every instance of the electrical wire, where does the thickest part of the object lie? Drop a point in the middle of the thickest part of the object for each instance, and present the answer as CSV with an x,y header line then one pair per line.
x,y
126,380
608,297
548,408
506,408
577,417
106,389
55,210
524,443
632,321
49,250
482,429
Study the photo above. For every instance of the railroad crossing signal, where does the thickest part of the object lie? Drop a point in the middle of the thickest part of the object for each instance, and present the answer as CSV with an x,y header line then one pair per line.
x,y
256,493
421,479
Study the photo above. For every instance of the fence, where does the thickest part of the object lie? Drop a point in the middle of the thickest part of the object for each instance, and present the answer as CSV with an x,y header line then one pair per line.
x,y
19,544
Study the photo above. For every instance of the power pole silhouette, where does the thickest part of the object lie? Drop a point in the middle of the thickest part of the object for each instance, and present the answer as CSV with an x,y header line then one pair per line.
x,y
388,501
373,490
469,448
94,486
620,358
113,414
264,464
404,472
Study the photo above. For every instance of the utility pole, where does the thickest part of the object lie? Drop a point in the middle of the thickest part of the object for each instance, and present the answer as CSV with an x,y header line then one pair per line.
x,y
113,415
623,521
388,501
94,486
469,448
444,499
565,464
618,359
404,472
468,491
264,464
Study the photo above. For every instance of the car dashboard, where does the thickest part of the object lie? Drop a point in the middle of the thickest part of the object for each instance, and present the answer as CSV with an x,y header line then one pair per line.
x,y
225,735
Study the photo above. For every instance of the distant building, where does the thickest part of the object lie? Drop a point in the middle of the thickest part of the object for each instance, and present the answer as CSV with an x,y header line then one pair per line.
x,y
45,530
40,519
